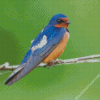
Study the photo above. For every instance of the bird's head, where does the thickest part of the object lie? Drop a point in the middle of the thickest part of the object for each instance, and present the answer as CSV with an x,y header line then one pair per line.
x,y
59,20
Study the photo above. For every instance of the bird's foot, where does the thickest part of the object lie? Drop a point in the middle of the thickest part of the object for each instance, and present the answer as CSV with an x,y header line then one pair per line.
x,y
52,63
44,66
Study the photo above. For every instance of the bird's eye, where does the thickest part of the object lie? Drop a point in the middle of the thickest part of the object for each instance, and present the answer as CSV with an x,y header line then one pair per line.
x,y
60,21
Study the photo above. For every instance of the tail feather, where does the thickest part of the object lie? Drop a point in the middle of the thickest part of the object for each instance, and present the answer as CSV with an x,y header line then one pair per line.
x,y
14,74
10,78
23,69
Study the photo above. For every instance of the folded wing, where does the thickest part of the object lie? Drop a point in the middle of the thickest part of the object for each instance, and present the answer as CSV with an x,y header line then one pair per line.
x,y
33,58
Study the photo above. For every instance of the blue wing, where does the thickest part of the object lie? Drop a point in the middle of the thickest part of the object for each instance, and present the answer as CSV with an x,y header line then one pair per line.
x,y
52,33
33,59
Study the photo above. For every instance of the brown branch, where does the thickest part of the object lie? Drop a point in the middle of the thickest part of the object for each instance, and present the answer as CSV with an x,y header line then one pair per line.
x,y
89,59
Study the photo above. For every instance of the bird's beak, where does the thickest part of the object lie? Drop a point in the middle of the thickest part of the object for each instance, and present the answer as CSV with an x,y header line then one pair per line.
x,y
68,22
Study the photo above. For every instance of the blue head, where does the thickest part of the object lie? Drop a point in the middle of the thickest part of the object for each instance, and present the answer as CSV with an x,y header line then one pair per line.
x,y
59,20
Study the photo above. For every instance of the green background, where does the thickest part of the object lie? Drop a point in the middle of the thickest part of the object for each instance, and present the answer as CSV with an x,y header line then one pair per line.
x,y
22,20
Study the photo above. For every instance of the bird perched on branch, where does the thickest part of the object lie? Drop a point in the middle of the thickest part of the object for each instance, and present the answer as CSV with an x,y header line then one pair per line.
x,y
47,46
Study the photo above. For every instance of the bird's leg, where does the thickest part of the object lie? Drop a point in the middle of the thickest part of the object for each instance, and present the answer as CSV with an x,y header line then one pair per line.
x,y
44,66
51,63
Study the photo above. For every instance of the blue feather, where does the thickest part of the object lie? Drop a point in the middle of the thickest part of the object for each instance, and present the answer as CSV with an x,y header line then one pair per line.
x,y
51,32
36,54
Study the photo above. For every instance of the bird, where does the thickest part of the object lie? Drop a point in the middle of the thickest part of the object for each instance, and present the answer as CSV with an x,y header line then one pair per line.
x,y
46,47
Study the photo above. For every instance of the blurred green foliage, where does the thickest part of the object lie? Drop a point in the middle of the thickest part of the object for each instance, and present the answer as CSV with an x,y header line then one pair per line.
x,y
22,20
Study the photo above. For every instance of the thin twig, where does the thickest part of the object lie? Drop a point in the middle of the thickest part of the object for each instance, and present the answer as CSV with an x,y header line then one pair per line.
x,y
89,59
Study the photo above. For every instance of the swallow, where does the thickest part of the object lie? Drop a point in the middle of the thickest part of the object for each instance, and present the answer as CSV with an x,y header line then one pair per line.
x,y
47,46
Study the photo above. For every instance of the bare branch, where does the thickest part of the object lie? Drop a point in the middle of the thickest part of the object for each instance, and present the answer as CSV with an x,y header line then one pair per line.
x,y
89,59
